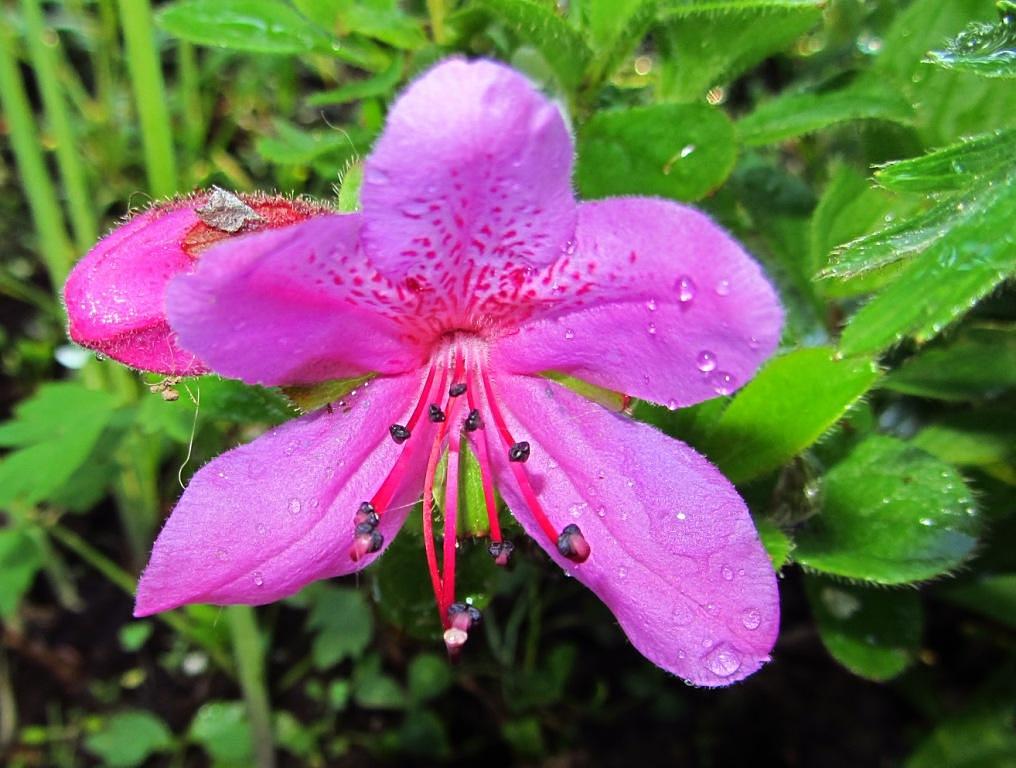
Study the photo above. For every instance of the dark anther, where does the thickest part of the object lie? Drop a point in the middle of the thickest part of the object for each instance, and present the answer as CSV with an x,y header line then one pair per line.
x,y
519,451
463,616
572,544
501,551
366,526
366,544
366,518
399,433
457,389
435,414
473,421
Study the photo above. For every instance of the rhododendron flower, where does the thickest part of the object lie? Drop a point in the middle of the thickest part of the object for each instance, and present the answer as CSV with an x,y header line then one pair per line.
x,y
470,273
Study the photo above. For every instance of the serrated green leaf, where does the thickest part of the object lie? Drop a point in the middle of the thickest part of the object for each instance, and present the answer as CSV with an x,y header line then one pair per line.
x,y
561,45
692,7
256,26
20,560
222,729
127,739
875,633
792,401
54,433
957,166
795,114
978,363
890,514
614,28
705,44
776,541
957,268
988,50
236,401
343,624
672,150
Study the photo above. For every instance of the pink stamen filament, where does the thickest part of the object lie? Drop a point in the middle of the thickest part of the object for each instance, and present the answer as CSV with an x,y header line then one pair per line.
x,y
520,474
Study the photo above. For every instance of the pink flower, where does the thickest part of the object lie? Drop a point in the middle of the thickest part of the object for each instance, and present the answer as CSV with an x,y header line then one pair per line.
x,y
470,271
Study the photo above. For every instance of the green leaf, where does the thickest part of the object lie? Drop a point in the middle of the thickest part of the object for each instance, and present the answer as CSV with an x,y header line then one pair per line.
x,y
128,739
984,438
255,26
672,150
53,434
795,114
561,45
372,689
981,737
792,401
988,50
134,635
890,514
694,7
959,266
978,363
875,633
294,736
382,20
957,166
20,560
705,44
614,28
349,202
993,596
423,734
429,677
776,541
235,401
294,146
343,624
222,729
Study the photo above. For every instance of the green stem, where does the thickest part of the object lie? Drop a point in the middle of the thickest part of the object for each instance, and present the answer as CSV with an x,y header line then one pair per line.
x,y
438,10
189,88
42,49
149,96
54,243
126,582
250,667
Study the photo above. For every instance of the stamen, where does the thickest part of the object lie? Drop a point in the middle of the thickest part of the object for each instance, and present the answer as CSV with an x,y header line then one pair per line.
x,y
473,421
501,551
418,410
518,452
572,544
457,389
436,415
459,619
365,544
399,433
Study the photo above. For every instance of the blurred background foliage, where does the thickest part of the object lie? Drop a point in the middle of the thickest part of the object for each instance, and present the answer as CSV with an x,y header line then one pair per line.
x,y
865,150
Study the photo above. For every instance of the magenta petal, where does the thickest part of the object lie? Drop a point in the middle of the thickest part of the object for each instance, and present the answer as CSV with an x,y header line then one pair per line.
x,y
657,302
674,553
115,294
291,306
474,165
262,520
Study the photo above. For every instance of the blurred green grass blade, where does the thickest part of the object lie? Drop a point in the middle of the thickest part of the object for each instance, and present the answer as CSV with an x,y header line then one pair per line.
x,y
149,96
988,50
979,363
957,269
890,514
789,404
707,44
561,44
41,47
255,26
795,114
957,166
378,86
54,243
680,151
875,633
993,596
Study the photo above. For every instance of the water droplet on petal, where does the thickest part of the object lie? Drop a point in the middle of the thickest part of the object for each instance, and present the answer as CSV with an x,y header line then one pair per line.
x,y
295,506
723,383
723,661
672,405
601,511
622,573
751,619
685,289
651,305
727,572
682,516
754,343
569,334
221,554
652,329
259,579
705,361
723,288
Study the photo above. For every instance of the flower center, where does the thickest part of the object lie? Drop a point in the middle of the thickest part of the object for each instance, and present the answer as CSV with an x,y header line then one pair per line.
x,y
457,394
